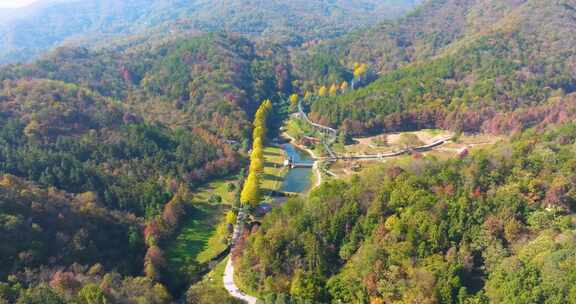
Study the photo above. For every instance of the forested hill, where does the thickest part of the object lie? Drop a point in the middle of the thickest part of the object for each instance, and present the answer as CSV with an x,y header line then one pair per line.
x,y
458,66
493,227
64,136
213,81
423,33
45,25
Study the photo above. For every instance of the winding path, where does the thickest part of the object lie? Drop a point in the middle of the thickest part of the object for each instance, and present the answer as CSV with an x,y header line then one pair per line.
x,y
378,156
326,129
229,284
231,287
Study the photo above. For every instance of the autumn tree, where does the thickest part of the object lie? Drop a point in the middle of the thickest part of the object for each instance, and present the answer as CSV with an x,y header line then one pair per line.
x,y
322,91
333,90
251,191
92,294
293,100
360,70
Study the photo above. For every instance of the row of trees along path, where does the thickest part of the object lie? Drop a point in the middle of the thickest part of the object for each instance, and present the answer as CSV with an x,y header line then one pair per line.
x,y
251,192
251,195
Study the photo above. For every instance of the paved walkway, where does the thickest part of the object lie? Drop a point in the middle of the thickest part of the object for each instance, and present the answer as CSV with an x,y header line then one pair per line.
x,y
231,287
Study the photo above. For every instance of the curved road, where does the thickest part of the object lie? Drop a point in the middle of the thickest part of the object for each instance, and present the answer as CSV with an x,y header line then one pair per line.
x,y
231,287
229,284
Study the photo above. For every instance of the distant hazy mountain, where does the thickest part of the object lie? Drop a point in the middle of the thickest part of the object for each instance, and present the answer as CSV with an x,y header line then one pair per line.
x,y
27,32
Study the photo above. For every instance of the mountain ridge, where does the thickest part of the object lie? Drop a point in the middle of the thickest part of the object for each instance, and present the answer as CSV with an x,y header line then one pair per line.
x,y
86,20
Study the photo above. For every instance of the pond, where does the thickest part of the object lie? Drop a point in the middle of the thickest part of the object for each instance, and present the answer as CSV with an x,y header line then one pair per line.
x,y
297,180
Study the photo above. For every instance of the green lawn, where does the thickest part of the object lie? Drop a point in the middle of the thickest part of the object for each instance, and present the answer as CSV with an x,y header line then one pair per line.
x,y
194,241
219,188
211,289
297,128
203,234
274,169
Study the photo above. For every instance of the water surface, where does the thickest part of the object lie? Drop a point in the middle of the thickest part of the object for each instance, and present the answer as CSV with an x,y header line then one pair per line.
x,y
297,180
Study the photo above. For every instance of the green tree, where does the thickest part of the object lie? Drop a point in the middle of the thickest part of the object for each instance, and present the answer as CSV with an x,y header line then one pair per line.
x,y
92,294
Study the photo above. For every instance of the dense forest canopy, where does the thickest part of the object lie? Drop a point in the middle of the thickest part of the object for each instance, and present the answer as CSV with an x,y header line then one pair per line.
x,y
213,81
494,227
63,136
523,58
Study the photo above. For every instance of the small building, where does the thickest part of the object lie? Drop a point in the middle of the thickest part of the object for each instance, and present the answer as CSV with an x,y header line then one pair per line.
x,y
262,209
288,162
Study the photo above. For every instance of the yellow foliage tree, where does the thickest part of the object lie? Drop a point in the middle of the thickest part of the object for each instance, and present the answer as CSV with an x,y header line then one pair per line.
x,y
231,217
256,166
293,100
308,95
258,133
360,70
251,192
257,145
257,150
344,86
322,91
266,105
32,128
334,90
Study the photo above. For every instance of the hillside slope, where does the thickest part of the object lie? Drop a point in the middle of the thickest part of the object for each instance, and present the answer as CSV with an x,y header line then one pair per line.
x,y
213,81
523,56
44,26
64,136
493,227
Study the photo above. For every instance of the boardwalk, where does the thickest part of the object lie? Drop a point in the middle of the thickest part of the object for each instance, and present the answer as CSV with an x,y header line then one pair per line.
x,y
325,129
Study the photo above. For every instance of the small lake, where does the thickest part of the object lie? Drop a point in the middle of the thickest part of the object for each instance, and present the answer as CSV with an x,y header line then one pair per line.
x,y
297,180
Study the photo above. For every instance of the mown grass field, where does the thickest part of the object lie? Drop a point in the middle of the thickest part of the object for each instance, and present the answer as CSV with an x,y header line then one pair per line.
x,y
274,171
211,288
204,233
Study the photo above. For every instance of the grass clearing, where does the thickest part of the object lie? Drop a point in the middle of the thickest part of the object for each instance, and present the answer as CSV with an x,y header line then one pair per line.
x,y
211,288
274,170
194,241
393,141
203,234
297,128
219,188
